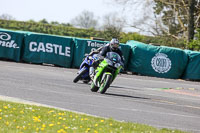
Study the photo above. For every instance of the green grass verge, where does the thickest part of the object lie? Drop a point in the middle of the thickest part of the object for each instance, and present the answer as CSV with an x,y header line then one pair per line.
x,y
19,118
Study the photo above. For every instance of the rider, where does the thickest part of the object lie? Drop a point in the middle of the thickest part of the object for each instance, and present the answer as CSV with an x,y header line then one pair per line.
x,y
112,46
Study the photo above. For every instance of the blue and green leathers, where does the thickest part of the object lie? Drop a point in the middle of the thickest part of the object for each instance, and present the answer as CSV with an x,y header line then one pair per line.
x,y
106,72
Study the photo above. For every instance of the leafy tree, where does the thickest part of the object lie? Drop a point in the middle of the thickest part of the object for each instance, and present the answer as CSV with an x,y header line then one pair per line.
x,y
66,24
195,44
112,25
51,29
174,19
44,21
180,17
54,23
124,37
87,33
31,21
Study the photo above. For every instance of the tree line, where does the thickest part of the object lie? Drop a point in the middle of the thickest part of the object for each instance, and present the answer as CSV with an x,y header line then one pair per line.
x,y
171,23
68,30
178,19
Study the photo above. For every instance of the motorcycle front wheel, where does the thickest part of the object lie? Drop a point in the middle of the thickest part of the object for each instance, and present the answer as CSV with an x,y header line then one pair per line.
x,y
78,77
105,84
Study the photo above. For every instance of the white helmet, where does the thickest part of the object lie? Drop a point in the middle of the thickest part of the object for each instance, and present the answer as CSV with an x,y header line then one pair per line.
x,y
114,43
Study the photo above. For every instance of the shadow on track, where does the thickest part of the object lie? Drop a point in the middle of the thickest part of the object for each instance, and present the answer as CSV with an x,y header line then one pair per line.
x,y
127,96
114,86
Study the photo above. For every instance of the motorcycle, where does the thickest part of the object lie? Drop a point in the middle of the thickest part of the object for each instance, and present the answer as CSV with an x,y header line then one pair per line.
x,y
106,72
83,73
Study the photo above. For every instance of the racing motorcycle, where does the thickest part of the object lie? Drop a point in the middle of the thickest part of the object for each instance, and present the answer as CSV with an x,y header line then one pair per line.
x,y
83,73
106,72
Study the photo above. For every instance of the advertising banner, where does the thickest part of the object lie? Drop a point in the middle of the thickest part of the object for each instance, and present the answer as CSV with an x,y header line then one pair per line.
x,y
157,61
42,48
84,46
11,44
126,50
192,71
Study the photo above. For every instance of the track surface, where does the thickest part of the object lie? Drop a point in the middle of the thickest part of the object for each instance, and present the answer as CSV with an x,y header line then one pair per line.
x,y
130,98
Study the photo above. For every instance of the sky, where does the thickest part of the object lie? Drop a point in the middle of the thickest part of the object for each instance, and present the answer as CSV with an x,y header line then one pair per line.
x,y
63,11
54,10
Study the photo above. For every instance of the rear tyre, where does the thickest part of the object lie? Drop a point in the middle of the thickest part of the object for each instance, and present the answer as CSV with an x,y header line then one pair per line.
x,y
86,82
106,84
78,77
94,88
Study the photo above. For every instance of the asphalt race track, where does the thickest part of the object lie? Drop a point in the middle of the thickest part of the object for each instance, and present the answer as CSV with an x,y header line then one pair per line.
x,y
132,98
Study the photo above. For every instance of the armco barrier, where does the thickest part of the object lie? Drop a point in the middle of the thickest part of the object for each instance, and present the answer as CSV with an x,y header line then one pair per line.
x,y
11,44
192,71
83,46
149,60
42,48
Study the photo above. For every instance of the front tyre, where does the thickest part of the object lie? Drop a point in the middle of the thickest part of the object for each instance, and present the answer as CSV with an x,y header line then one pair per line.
x,y
78,77
106,84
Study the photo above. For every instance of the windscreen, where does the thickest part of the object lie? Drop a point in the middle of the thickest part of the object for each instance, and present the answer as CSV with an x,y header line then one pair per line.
x,y
113,56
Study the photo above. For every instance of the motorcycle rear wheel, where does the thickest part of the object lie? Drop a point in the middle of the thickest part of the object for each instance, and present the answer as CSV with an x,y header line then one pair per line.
x,y
78,77
106,84
94,88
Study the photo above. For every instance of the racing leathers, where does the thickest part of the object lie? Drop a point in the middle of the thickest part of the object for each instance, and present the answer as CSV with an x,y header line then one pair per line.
x,y
103,53
107,49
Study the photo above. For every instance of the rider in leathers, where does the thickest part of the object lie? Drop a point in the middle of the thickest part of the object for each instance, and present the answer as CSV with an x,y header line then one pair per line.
x,y
112,47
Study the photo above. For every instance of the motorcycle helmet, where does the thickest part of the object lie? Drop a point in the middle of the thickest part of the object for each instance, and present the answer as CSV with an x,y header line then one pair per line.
x,y
114,44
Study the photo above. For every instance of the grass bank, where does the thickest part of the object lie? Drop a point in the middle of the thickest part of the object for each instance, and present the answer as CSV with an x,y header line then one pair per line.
x,y
25,118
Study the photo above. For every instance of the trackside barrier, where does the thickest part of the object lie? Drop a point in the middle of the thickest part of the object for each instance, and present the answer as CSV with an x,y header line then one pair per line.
x,y
149,60
126,50
83,46
42,48
157,61
11,44
192,71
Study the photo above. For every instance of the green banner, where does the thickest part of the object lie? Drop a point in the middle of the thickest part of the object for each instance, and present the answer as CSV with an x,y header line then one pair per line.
x,y
126,50
83,46
42,48
192,71
11,44
149,60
